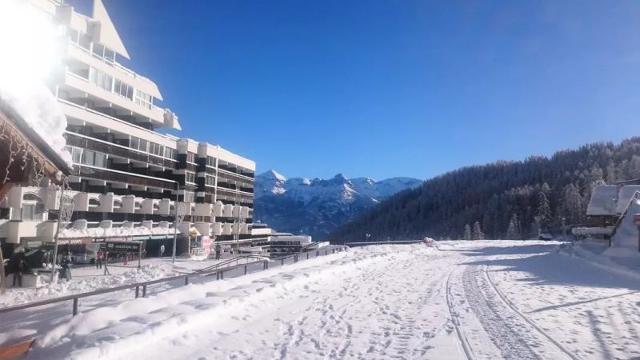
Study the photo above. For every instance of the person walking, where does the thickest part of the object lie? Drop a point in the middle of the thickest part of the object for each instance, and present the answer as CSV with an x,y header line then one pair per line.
x,y
161,250
99,256
65,268
218,251
20,267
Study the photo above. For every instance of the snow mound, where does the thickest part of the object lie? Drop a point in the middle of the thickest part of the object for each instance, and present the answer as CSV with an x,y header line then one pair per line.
x,y
625,240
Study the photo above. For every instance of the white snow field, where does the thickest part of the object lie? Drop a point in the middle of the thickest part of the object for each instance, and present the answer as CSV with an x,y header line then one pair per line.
x,y
473,299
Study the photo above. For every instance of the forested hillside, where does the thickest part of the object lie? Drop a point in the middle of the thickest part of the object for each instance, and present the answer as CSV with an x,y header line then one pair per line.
x,y
506,199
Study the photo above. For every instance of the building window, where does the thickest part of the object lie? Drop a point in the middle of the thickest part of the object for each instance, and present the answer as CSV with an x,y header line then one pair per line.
x,y
32,211
88,157
143,145
138,144
81,39
94,158
169,153
101,79
144,99
190,177
134,142
109,55
210,180
188,196
103,53
100,160
76,153
211,161
191,157
123,89
156,149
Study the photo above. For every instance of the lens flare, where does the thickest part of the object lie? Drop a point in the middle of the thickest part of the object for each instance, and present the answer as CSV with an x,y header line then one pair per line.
x,y
31,46
31,51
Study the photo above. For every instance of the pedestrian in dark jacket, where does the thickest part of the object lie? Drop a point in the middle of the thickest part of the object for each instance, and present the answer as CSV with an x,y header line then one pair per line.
x,y
218,251
65,268
21,265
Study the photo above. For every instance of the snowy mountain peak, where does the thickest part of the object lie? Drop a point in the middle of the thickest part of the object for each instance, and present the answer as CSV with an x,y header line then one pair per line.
x,y
340,177
274,175
317,206
270,182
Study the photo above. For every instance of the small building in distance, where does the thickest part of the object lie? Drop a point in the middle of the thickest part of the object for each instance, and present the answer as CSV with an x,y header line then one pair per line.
x,y
610,214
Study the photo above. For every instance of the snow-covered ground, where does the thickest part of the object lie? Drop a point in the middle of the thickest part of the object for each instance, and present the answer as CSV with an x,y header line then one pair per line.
x,y
480,300
88,278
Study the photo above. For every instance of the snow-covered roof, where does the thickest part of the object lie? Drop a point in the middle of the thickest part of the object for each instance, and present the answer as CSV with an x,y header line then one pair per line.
x,y
624,196
116,231
603,200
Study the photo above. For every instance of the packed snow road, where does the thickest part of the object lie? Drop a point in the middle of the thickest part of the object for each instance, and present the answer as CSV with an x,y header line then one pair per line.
x,y
466,300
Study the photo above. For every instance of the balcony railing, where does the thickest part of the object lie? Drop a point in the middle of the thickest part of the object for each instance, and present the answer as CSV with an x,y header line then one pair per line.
x,y
85,142
121,177
234,173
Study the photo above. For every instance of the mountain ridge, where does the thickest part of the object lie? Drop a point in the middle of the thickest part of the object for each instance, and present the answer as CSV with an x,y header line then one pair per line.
x,y
503,199
317,206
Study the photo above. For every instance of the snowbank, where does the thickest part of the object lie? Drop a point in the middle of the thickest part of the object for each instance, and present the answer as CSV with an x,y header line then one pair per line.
x,y
625,240
618,261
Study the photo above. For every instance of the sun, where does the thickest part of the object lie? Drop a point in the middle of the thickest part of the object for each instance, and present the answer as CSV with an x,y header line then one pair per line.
x,y
31,45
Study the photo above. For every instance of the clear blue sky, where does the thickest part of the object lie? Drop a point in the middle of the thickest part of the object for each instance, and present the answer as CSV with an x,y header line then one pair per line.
x,y
394,87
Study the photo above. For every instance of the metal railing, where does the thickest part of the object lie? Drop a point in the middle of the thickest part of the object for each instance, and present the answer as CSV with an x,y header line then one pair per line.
x,y
141,287
390,242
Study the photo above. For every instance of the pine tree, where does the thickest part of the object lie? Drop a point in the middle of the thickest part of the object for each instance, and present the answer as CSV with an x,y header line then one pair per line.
x,y
633,169
513,231
611,173
535,228
477,231
572,205
543,209
467,232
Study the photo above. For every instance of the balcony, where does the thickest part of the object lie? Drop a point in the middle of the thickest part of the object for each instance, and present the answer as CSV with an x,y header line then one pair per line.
x,y
91,117
78,83
233,177
89,143
202,210
121,177
15,230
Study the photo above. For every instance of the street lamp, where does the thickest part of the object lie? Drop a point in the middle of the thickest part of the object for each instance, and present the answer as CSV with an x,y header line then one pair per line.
x,y
179,216
65,210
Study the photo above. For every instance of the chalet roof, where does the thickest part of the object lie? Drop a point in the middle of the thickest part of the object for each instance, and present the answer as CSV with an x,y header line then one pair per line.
x,y
603,200
624,196
42,148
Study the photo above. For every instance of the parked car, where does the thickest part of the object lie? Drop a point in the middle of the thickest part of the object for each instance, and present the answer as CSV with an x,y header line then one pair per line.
x,y
545,236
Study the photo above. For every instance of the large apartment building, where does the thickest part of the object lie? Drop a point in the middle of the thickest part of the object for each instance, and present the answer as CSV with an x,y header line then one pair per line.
x,y
129,179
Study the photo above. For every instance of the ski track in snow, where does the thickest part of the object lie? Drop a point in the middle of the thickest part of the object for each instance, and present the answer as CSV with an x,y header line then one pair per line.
x,y
472,300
